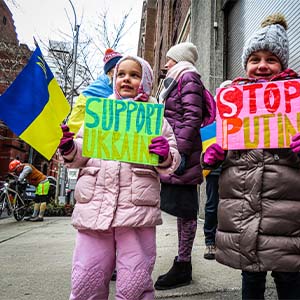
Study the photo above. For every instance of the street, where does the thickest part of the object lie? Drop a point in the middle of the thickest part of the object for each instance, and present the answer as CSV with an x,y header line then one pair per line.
x,y
36,260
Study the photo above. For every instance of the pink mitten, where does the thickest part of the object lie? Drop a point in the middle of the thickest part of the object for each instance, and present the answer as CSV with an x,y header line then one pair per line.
x,y
160,146
295,144
213,154
66,142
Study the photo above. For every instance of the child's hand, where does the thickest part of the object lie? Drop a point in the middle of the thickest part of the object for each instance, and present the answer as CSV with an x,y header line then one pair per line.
x,y
160,146
295,144
66,142
213,155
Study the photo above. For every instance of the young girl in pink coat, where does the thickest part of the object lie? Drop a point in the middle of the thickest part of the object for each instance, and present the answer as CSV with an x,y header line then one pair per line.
x,y
117,203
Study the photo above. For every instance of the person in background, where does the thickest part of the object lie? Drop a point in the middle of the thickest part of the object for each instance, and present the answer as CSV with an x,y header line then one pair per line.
x,y
36,178
117,203
212,197
182,97
101,87
259,204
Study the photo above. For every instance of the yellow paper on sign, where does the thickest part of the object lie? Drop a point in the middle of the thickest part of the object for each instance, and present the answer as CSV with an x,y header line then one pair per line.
x,y
121,130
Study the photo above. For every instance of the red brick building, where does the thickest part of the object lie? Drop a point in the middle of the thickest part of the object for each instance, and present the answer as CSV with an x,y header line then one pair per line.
x,y
13,58
164,23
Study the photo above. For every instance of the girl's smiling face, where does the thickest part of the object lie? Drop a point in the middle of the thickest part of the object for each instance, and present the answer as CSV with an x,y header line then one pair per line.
x,y
263,65
128,78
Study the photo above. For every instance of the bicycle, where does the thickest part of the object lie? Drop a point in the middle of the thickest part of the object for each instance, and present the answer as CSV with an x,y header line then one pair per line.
x,y
13,200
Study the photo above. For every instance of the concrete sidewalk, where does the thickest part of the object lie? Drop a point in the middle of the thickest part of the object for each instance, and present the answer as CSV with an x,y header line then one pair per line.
x,y
35,260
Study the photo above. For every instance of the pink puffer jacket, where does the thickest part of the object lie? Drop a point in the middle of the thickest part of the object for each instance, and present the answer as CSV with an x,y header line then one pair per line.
x,y
118,194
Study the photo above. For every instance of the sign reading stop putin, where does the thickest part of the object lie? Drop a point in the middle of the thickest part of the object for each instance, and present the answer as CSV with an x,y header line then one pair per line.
x,y
259,115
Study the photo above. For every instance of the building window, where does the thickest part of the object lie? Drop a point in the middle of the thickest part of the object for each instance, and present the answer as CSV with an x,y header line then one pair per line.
x,y
22,144
4,20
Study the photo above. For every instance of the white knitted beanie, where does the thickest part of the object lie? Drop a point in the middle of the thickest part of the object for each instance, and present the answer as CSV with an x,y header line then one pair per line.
x,y
271,37
183,52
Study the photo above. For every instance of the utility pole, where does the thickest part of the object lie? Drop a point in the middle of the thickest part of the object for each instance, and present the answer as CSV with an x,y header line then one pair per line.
x,y
63,171
75,45
30,159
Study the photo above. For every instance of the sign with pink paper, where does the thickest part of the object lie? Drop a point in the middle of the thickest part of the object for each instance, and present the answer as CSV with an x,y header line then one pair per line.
x,y
259,115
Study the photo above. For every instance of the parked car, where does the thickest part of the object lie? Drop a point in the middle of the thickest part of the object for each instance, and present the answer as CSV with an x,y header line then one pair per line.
x,y
52,188
30,189
52,179
30,192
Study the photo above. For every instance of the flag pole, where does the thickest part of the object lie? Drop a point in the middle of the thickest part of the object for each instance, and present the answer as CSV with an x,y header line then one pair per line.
x,y
35,42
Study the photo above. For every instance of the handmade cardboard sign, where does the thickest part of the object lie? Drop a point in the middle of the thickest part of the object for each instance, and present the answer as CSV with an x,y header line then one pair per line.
x,y
259,115
121,130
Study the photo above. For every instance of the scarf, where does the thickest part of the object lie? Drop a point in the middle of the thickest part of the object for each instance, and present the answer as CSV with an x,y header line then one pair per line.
x,y
284,75
173,76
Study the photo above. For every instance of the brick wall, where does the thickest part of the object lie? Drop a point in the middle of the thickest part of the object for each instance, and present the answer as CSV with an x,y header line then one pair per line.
x,y
13,58
162,22
7,27
147,31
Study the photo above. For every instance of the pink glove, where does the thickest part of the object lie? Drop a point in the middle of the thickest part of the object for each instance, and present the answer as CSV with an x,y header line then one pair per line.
x,y
295,144
213,154
160,146
66,142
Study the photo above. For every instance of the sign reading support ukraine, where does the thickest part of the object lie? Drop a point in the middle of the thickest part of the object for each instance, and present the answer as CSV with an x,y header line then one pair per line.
x,y
34,106
121,130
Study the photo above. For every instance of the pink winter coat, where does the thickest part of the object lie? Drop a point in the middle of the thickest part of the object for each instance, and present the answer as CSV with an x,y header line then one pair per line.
x,y
118,194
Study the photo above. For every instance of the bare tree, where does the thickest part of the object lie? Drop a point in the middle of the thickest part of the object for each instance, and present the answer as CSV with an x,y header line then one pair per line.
x,y
88,61
13,2
94,39
108,37
60,60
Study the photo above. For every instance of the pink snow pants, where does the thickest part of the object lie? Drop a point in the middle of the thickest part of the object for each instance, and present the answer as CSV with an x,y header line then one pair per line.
x,y
95,258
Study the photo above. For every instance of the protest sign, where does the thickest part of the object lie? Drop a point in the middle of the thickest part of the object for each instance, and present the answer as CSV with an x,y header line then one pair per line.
x,y
259,115
121,130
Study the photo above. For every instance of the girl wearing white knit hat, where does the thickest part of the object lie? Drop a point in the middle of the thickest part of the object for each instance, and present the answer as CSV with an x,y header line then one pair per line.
x,y
186,111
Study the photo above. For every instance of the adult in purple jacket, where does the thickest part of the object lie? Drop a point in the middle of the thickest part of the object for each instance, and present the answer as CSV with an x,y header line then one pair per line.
x,y
182,96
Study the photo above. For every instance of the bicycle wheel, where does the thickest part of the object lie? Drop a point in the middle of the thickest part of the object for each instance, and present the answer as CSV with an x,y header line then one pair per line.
x,y
20,209
2,203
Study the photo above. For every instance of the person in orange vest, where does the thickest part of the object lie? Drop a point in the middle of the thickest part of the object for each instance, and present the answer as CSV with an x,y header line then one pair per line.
x,y
37,179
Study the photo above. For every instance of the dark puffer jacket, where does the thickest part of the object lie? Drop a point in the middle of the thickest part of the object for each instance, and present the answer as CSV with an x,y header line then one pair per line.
x,y
259,211
183,110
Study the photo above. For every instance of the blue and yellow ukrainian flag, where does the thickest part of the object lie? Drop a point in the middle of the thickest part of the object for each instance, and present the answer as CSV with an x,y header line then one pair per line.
x,y
34,106
208,136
